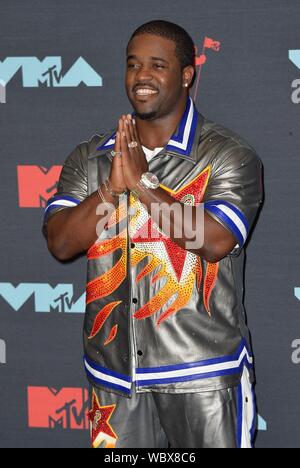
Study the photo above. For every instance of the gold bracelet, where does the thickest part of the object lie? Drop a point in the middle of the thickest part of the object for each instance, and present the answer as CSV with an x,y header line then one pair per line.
x,y
100,193
109,204
107,185
138,189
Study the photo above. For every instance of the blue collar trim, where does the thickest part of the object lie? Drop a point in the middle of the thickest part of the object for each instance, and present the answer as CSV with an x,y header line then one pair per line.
x,y
108,143
182,140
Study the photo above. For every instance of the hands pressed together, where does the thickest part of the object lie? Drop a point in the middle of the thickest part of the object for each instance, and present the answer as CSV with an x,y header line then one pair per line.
x,y
130,162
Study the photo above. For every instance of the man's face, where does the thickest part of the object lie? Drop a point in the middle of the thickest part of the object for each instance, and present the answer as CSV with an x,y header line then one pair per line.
x,y
153,77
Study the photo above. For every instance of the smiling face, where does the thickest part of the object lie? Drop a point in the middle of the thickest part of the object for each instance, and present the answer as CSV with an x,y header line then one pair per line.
x,y
154,77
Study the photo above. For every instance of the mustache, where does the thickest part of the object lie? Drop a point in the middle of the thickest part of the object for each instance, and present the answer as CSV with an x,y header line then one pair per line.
x,y
144,85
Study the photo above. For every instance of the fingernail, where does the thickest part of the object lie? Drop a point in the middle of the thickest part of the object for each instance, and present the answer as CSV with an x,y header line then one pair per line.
x,y
133,121
123,134
126,121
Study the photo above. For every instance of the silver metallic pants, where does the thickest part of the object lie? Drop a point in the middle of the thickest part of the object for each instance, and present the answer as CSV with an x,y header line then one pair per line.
x,y
215,419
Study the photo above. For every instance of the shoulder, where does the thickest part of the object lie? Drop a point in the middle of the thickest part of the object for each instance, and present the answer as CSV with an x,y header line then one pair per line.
x,y
90,146
226,146
79,156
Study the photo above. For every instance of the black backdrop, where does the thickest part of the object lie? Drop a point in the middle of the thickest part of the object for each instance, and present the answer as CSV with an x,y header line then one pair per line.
x,y
248,83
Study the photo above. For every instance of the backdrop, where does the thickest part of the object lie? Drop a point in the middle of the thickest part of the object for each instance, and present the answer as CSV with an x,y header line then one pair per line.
x,y
61,80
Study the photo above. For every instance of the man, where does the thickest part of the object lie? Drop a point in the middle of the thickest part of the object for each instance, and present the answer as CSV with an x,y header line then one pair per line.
x,y
166,345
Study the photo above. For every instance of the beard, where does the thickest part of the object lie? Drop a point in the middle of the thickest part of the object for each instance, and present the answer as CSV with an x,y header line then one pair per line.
x,y
146,115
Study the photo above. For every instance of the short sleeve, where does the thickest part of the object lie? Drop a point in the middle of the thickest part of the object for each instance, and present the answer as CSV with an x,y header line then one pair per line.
x,y
72,185
235,191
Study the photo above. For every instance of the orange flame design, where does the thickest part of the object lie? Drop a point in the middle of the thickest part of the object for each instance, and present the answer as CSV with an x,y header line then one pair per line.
x,y
112,335
209,283
182,269
172,287
112,279
180,289
101,317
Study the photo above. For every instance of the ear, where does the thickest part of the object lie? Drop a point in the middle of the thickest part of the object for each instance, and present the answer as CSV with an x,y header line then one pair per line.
x,y
188,76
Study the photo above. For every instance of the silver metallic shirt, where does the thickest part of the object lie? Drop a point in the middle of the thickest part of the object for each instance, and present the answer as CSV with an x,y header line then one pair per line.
x,y
182,318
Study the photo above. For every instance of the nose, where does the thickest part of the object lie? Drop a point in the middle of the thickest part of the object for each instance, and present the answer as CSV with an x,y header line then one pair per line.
x,y
143,74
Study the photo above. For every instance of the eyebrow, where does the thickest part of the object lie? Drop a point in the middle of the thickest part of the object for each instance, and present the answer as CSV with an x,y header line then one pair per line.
x,y
152,58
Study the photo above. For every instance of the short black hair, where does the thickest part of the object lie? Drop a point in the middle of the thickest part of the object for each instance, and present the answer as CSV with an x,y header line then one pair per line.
x,y
185,48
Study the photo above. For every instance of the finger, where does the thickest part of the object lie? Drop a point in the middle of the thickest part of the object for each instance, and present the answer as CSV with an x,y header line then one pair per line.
x,y
127,133
135,132
118,150
123,133
131,132
124,147
134,137
131,129
118,142
120,129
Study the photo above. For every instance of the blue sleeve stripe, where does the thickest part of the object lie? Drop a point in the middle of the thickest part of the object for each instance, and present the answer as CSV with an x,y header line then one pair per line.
x,y
233,208
52,207
63,197
62,202
233,227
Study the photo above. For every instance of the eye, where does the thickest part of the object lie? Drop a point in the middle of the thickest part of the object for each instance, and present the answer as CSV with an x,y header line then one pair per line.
x,y
132,65
158,65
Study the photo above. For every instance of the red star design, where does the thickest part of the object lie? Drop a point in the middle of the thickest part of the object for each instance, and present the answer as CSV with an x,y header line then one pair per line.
x,y
149,232
99,417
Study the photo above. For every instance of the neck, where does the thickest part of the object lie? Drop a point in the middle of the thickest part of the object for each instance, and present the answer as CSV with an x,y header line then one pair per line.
x,y
156,133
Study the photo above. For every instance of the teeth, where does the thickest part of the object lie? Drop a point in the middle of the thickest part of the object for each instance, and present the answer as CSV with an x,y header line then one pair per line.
x,y
145,92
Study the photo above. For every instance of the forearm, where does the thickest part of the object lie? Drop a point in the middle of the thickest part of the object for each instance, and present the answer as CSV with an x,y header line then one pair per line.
x,y
74,230
190,227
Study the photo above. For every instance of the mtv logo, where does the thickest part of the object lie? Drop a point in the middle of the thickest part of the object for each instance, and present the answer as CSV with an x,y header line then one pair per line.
x,y
66,408
2,352
49,72
46,298
294,56
261,424
36,185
